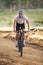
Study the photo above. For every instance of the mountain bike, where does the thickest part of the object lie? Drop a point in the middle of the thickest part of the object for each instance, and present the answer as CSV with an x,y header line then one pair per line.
x,y
20,42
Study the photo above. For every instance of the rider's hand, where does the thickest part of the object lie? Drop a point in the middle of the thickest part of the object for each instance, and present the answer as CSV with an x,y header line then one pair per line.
x,y
28,30
14,30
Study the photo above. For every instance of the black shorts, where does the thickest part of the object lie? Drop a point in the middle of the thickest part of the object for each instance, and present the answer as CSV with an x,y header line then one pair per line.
x,y
20,25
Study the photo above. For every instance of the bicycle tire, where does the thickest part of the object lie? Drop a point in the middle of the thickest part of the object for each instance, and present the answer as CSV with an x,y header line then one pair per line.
x,y
21,51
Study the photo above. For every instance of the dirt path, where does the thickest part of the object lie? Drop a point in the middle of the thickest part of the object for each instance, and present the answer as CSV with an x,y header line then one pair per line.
x,y
32,54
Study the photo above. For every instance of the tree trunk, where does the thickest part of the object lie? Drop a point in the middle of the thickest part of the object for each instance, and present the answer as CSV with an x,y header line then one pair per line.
x,y
27,4
19,4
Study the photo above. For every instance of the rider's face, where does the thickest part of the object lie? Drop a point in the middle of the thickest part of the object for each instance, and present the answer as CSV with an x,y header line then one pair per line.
x,y
20,15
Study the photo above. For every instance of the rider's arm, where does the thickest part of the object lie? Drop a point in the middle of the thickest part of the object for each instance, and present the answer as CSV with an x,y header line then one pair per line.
x,y
14,25
27,21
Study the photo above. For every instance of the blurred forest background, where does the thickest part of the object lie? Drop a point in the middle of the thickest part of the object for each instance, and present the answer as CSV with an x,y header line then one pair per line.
x,y
17,4
9,8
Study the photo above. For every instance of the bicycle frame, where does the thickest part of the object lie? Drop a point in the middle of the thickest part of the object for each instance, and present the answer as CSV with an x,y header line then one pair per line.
x,y
20,40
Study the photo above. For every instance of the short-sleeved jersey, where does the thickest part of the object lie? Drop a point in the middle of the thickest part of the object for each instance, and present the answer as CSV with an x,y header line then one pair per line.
x,y
20,20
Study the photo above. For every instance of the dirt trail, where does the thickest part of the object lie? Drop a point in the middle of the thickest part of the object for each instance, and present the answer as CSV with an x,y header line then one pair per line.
x,y
32,54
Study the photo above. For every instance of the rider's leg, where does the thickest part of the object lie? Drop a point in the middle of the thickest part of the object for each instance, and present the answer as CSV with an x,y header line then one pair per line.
x,y
23,36
17,35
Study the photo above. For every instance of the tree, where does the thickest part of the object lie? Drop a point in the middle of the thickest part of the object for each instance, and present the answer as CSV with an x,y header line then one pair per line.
x,y
17,4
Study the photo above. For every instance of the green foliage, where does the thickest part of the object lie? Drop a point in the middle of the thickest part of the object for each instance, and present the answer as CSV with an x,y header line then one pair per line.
x,y
10,23
35,14
8,3
23,4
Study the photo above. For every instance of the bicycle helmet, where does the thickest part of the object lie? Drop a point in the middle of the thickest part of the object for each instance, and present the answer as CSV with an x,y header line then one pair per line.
x,y
21,11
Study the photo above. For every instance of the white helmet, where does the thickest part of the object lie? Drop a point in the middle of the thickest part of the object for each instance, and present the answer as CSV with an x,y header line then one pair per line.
x,y
21,11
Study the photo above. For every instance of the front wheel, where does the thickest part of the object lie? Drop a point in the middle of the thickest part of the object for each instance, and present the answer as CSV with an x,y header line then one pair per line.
x,y
21,51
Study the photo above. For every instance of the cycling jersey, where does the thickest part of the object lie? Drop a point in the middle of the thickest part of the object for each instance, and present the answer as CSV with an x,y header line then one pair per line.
x,y
20,20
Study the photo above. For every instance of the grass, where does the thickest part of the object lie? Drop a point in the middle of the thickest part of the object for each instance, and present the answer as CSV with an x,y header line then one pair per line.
x,y
35,15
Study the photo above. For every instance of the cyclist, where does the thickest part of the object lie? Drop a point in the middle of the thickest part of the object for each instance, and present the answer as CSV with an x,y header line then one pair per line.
x,y
19,21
